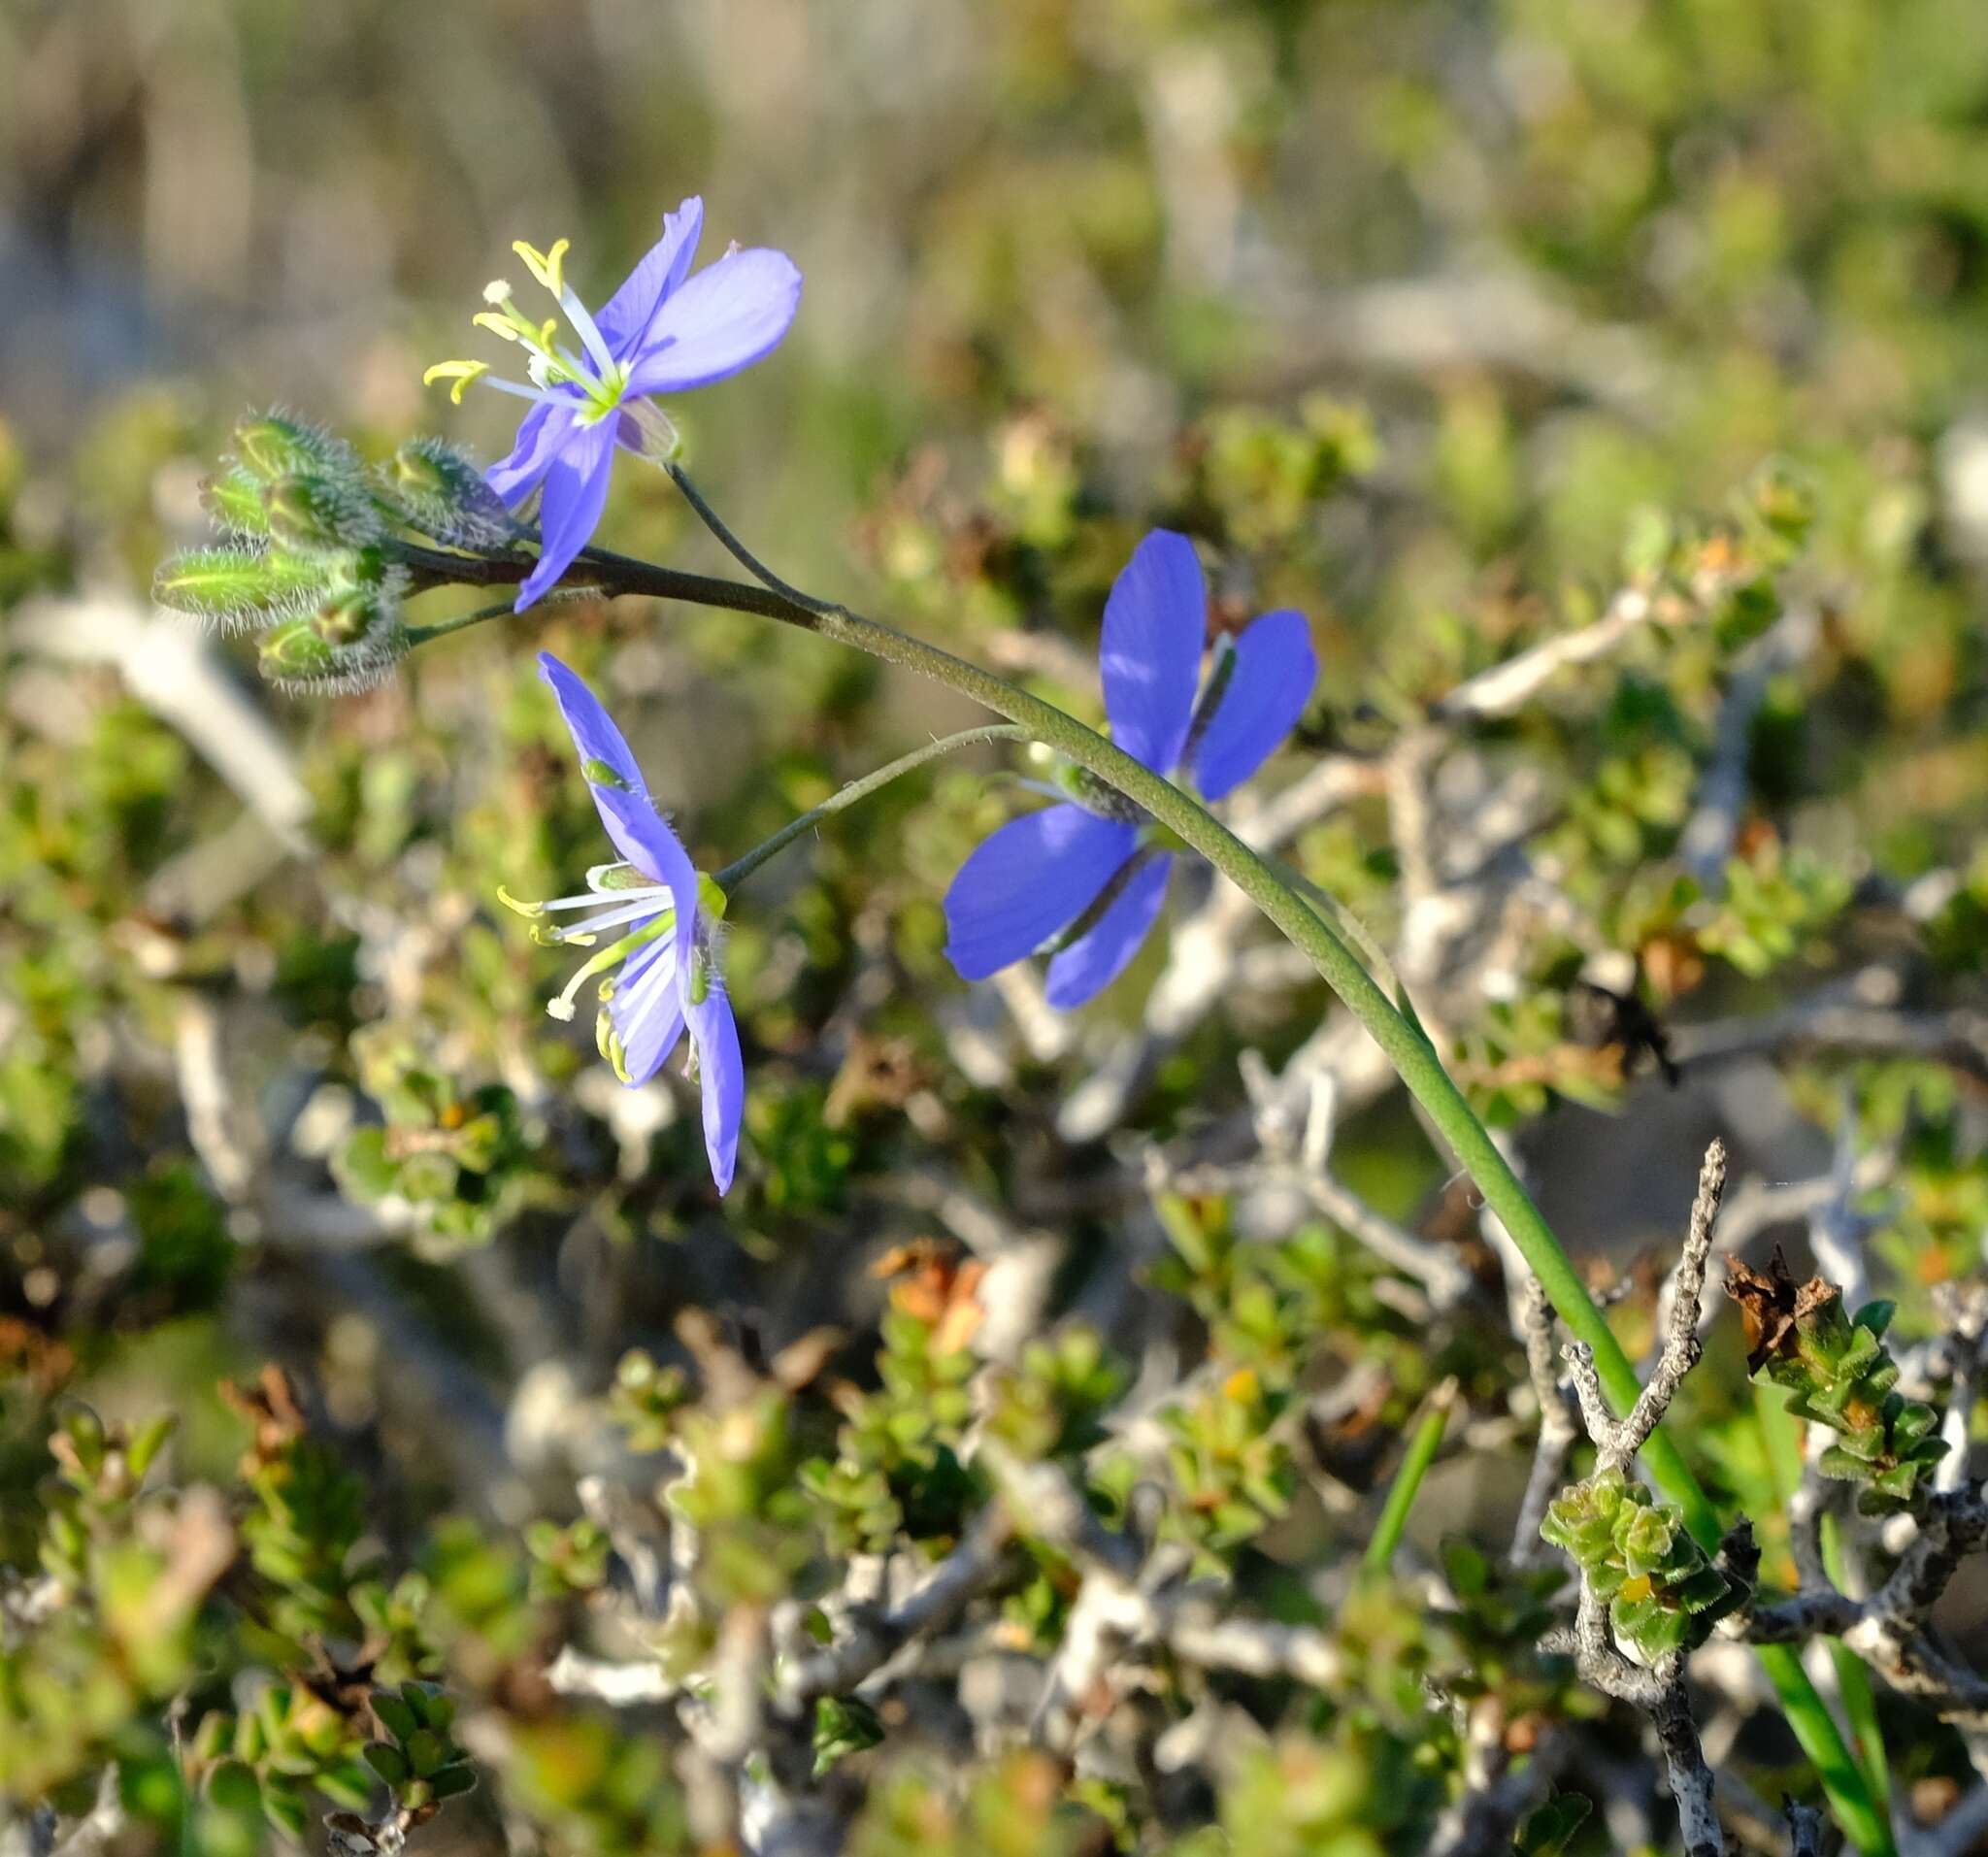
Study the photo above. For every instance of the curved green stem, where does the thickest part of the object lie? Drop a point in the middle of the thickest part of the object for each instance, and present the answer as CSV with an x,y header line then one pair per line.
x,y
737,872
1414,1061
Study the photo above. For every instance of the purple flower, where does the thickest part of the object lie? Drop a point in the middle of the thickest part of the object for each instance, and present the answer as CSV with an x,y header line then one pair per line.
x,y
662,957
661,332
1091,864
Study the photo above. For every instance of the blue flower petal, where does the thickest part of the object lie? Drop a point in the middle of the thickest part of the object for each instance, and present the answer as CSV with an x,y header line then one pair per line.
x,y
1155,625
575,493
721,1076
592,727
641,834
1037,874
646,1009
1274,670
1086,968
541,436
624,321
729,316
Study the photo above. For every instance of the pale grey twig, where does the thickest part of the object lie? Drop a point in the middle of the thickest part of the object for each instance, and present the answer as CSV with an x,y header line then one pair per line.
x,y
1964,1321
1709,835
874,1638
1657,1689
1558,1430
1506,689
1836,1234
620,1685
1617,1442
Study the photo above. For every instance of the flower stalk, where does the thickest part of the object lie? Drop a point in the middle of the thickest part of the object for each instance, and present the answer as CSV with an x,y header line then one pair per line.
x,y
1413,1057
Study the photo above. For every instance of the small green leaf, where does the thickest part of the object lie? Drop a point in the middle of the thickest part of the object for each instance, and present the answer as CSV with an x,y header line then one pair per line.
x,y
388,1762
283,1806
394,1715
233,1786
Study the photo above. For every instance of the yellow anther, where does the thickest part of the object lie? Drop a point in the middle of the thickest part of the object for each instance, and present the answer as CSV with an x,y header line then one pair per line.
x,y
459,373
548,267
511,902
500,327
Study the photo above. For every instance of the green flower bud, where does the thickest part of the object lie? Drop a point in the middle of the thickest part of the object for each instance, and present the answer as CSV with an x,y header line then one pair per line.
x,y
275,445
321,515
439,491
236,589
347,618
296,654
233,498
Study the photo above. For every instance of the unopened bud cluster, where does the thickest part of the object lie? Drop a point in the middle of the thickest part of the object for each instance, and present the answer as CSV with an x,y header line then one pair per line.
x,y
309,558
1664,1594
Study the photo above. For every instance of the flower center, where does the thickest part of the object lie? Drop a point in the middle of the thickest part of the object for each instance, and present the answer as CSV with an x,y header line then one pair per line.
x,y
557,374
634,899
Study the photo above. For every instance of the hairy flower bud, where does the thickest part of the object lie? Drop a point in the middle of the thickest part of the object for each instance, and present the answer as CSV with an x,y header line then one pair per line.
x,y
233,498
294,653
237,589
273,446
350,643
441,493
321,515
